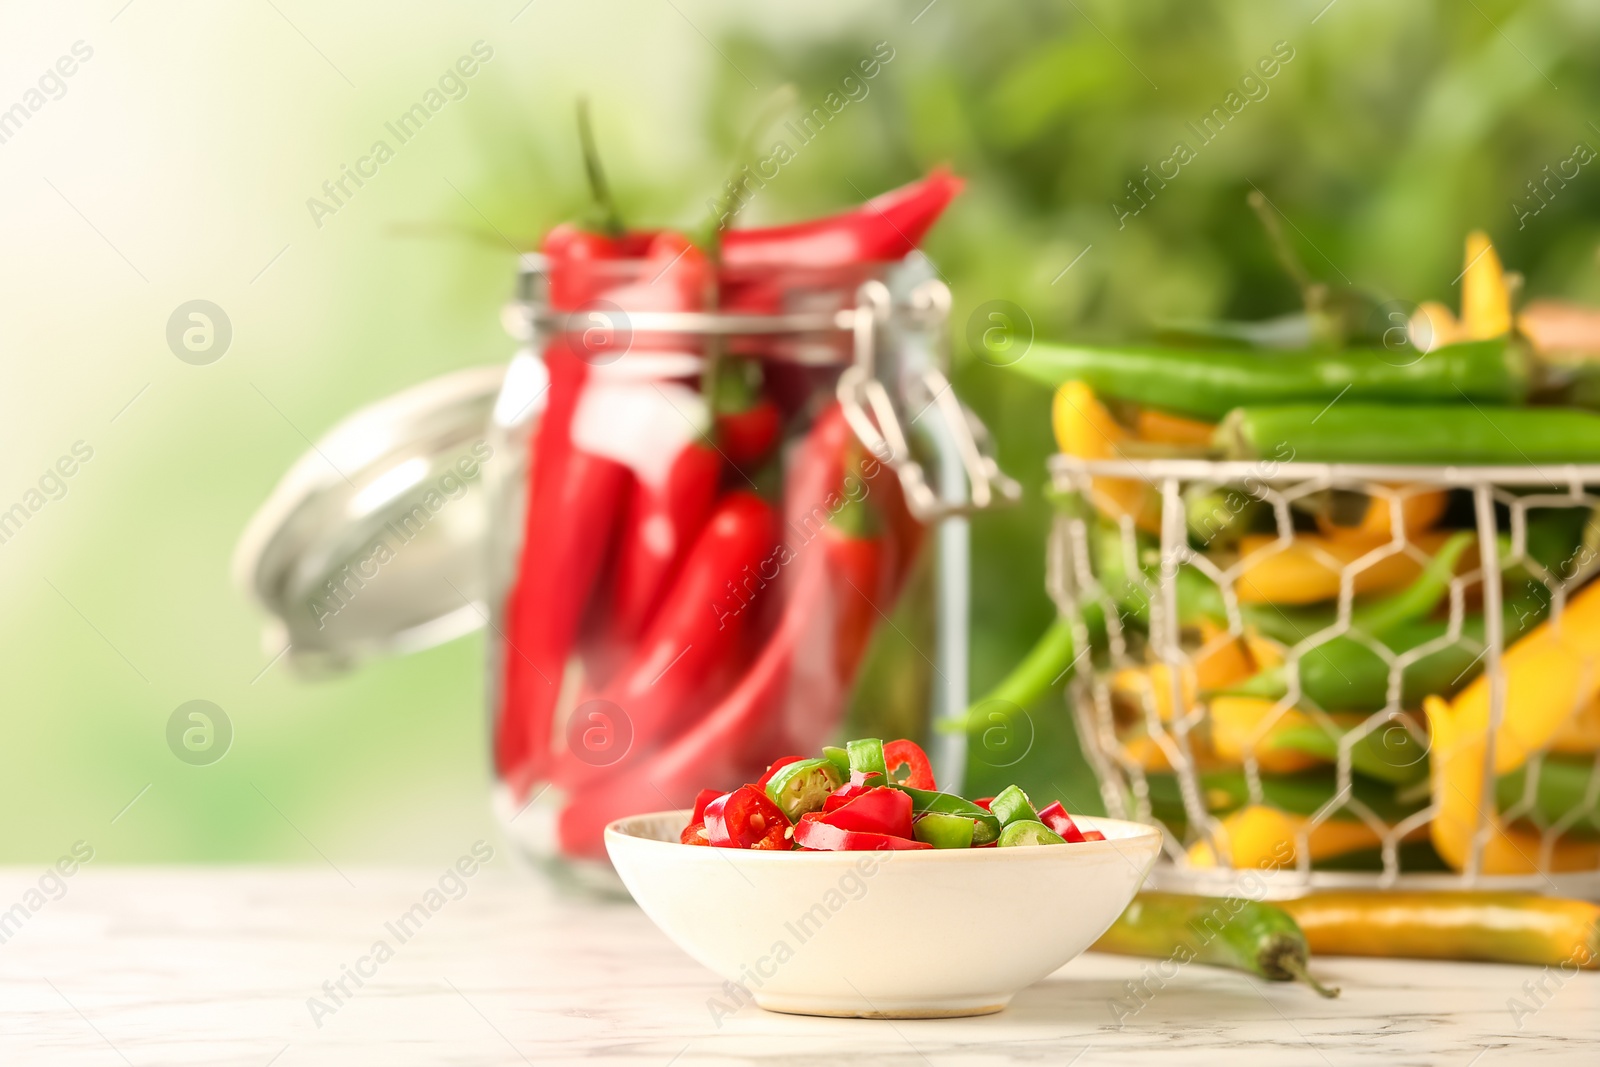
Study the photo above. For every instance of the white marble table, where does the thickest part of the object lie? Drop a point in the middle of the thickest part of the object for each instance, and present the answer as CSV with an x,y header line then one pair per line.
x,y
216,966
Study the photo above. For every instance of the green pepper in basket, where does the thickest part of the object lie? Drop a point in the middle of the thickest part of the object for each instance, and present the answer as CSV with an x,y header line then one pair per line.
x,y
1465,432
1210,384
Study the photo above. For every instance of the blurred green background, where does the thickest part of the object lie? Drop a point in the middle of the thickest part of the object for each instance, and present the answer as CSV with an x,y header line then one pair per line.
x,y
175,163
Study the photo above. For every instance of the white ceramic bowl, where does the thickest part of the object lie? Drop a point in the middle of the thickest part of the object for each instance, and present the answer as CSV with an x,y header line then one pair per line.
x,y
912,934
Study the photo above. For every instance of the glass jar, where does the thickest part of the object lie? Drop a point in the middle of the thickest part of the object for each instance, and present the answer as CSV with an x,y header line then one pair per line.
x,y
685,575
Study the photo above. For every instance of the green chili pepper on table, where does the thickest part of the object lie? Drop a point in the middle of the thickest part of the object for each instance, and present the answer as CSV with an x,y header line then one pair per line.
x,y
1207,385
1245,935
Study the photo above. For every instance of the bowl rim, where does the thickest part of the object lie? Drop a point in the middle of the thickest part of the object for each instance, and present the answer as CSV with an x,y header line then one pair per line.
x,y
1141,833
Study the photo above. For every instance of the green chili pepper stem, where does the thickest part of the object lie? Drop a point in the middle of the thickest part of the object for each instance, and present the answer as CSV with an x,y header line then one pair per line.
x,y
1245,935
1421,433
1211,385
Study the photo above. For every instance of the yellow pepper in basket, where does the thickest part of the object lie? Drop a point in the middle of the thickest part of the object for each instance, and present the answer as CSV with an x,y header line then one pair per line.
x,y
1307,569
1256,836
1243,726
1221,661
1547,674
1579,735
1419,510
1084,428
1159,428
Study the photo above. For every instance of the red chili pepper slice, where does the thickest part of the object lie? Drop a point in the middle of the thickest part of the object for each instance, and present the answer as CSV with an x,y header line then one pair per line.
x,y
919,771
694,834
774,767
879,810
1055,816
860,782
706,796
746,818
1093,835
815,834
983,802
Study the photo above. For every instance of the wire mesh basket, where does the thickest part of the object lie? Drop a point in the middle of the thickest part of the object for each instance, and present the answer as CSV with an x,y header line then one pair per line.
x,y
1346,676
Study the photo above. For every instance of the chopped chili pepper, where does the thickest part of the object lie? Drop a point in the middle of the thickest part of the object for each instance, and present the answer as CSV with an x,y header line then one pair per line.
x,y
909,754
943,831
706,796
802,786
812,833
1028,832
933,802
857,784
866,756
879,810
774,767
746,818
1055,816
1011,805
694,834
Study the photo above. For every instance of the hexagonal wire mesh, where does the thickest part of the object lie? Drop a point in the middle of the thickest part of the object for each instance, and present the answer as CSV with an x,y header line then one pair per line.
x,y
1171,599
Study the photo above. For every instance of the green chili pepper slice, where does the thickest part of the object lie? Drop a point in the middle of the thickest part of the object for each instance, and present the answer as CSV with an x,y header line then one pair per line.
x,y
802,786
840,760
1012,805
866,755
986,827
944,831
1028,832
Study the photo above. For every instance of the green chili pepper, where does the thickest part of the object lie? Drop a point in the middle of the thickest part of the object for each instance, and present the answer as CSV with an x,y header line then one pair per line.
x,y
1418,599
840,760
1302,793
1234,932
944,831
1012,805
1353,432
802,786
1563,788
926,801
1389,754
1211,384
866,756
1028,832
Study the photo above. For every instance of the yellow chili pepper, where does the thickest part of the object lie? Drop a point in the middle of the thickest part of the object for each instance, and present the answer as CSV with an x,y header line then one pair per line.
x,y
1084,428
1261,837
1160,428
1485,297
1220,661
1307,569
1497,927
1419,510
1243,726
1547,674
1433,326
1148,754
1264,652
1579,735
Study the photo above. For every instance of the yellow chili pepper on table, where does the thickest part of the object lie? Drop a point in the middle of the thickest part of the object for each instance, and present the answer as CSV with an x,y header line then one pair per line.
x,y
1548,673
1494,927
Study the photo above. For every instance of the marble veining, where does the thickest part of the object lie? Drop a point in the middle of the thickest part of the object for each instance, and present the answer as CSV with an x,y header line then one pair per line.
x,y
223,966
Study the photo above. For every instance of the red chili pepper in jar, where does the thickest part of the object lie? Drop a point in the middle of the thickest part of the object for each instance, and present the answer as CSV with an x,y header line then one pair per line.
x,y
748,422
697,630
887,227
